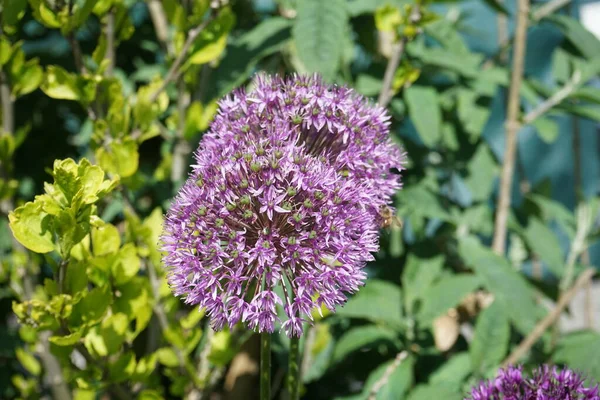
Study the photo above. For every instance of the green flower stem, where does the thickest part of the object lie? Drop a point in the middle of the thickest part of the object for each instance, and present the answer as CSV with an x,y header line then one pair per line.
x,y
293,382
265,366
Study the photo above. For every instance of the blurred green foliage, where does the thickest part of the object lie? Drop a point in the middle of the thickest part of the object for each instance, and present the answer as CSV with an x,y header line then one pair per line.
x,y
127,87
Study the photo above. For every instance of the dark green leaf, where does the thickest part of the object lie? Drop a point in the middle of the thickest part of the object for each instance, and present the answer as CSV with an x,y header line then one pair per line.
x,y
319,30
492,334
357,338
445,294
378,301
581,352
545,245
424,112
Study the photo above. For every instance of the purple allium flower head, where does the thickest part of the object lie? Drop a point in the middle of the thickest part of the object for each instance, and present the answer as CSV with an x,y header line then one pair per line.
x,y
286,191
545,384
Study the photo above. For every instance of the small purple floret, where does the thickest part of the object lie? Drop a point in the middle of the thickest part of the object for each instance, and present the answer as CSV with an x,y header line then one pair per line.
x,y
286,190
545,384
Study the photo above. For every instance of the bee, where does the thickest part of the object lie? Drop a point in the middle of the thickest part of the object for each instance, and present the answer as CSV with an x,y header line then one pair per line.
x,y
388,218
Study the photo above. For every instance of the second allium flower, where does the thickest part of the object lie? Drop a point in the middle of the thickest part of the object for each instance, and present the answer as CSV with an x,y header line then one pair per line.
x,y
286,191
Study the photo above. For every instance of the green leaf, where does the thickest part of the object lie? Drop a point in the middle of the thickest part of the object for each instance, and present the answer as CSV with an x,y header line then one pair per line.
x,y
387,18
424,112
378,301
150,395
454,371
581,38
121,158
105,239
319,29
67,340
92,307
491,339
60,84
123,367
547,129
581,352
420,201
398,383
436,391
445,294
508,286
113,331
418,276
591,112
12,12
28,361
465,64
357,338
246,51
167,357
126,264
472,115
30,226
212,40
482,169
545,245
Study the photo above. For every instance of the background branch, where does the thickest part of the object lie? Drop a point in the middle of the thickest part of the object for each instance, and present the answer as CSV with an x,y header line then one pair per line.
x,y
387,374
544,324
512,126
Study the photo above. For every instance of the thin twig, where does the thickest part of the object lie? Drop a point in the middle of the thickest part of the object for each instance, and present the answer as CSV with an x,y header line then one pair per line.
x,y
512,126
77,54
548,8
161,25
174,70
544,324
7,105
110,42
502,37
387,374
553,100
386,90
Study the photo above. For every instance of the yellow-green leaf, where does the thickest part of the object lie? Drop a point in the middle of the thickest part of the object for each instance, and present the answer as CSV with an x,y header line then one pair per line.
x,y
28,361
68,340
60,84
388,18
121,158
105,239
30,226
126,265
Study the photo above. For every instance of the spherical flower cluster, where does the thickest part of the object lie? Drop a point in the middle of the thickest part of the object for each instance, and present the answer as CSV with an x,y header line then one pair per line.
x,y
286,191
545,384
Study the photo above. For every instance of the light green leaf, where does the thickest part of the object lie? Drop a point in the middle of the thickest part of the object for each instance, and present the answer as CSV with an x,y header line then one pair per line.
x,y
547,129
378,301
508,286
67,340
424,112
399,382
482,169
445,294
492,335
28,361
436,391
123,367
31,227
167,357
418,276
472,115
581,352
454,371
126,264
60,84
357,338
581,38
105,239
388,18
113,331
417,200
545,245
319,29
121,158
212,40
